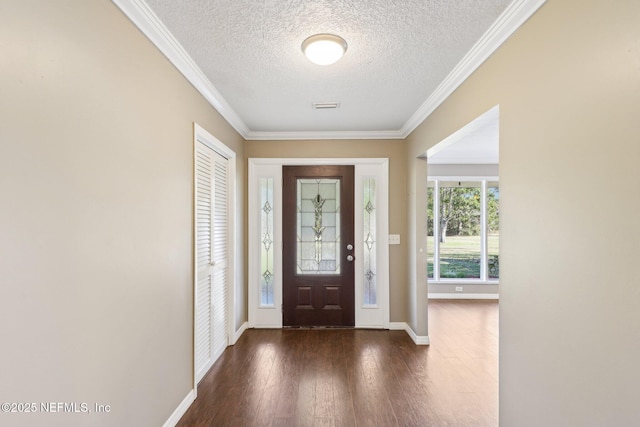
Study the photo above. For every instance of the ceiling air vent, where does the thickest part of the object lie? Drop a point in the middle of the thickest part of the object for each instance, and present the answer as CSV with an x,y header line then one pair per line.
x,y
326,105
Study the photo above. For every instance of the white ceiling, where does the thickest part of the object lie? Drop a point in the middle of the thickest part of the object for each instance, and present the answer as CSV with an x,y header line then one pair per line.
x,y
404,57
475,144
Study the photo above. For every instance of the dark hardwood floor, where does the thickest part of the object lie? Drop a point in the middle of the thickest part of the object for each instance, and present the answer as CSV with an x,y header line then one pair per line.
x,y
349,377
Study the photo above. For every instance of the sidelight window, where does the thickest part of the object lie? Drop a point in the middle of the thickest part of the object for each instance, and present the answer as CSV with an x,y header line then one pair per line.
x,y
266,242
370,245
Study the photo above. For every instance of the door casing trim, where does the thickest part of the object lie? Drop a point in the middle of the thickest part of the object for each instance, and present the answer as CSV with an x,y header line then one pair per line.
x,y
271,317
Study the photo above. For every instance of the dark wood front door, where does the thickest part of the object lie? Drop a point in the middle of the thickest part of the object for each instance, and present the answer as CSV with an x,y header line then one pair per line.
x,y
318,244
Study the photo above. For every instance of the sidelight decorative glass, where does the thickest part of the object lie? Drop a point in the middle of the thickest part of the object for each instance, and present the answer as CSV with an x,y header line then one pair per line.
x,y
318,226
266,236
370,248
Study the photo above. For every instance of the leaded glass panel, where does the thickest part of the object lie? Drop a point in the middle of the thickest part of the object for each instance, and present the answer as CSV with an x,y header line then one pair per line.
x,y
266,242
318,226
370,248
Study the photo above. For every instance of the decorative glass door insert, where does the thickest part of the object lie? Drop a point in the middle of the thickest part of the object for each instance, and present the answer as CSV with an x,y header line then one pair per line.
x,y
318,226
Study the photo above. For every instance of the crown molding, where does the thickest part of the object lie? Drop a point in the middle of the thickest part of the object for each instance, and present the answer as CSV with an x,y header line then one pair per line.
x,y
309,135
151,26
146,20
516,14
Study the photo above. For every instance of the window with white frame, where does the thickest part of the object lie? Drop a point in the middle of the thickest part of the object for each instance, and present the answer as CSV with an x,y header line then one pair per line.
x,y
463,229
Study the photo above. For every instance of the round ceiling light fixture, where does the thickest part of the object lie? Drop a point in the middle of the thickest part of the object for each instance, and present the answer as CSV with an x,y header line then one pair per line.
x,y
324,49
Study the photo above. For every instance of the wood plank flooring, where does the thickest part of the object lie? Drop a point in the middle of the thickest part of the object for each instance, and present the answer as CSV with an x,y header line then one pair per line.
x,y
349,377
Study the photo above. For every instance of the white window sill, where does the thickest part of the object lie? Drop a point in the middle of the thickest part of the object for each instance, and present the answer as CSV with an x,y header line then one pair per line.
x,y
462,282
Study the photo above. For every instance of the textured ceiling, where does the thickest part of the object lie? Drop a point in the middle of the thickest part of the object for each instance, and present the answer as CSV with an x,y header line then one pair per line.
x,y
399,52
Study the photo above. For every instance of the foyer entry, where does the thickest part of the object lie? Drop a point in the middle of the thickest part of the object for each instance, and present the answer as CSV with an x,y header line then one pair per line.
x,y
308,272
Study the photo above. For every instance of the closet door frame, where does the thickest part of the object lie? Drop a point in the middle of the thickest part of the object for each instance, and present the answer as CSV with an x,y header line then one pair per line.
x,y
201,136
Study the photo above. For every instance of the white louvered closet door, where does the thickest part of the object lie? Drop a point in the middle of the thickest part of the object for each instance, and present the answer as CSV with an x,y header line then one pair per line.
x,y
212,219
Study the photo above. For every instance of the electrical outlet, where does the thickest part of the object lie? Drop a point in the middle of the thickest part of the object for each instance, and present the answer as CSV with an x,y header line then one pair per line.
x,y
458,288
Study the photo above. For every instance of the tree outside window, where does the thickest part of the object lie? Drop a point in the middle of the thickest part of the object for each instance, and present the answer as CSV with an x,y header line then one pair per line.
x,y
460,242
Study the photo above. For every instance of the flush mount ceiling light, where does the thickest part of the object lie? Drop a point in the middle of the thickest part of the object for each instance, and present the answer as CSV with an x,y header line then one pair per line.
x,y
324,49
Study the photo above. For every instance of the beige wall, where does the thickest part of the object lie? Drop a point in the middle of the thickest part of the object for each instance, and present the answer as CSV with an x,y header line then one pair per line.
x,y
96,219
394,150
568,86
96,171
464,170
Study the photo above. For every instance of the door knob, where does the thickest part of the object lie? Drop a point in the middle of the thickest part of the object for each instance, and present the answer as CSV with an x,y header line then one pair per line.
x,y
349,247
350,258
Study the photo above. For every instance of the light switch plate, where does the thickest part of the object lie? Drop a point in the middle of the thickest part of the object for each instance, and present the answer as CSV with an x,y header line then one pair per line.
x,y
394,239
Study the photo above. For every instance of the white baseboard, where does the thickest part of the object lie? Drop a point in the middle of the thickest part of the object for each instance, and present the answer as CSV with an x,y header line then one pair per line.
x,y
463,296
180,410
239,333
402,326
419,340
398,326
